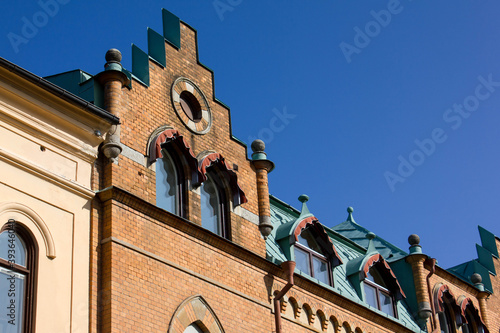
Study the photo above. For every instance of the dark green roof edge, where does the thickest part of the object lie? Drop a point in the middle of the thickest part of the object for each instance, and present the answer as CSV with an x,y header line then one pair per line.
x,y
238,140
488,240
70,71
60,92
284,205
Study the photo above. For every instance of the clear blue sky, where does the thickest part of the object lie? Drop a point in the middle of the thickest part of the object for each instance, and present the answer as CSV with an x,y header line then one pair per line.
x,y
367,86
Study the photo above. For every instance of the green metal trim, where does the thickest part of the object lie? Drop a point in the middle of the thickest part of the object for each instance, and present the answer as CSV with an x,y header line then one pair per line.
x,y
129,76
238,140
354,266
215,98
98,94
485,258
488,241
171,28
140,64
156,47
64,73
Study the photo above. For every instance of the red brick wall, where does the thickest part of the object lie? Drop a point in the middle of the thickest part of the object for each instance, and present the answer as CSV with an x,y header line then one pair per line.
x,y
493,302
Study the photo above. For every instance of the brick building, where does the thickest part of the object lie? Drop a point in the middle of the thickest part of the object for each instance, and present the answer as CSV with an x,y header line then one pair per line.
x,y
178,231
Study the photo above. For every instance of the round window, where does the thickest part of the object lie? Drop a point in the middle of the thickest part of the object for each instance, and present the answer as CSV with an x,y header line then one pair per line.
x,y
190,106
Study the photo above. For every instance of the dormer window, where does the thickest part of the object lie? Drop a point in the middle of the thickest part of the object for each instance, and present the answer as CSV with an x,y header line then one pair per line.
x,y
306,242
377,294
310,259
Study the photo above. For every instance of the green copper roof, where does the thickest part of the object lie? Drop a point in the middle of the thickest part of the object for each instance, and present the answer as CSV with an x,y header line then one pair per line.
x,y
483,265
353,231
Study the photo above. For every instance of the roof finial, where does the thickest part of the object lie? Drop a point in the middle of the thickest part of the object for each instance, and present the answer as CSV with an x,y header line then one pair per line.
x,y
113,59
371,247
414,241
350,218
304,198
477,280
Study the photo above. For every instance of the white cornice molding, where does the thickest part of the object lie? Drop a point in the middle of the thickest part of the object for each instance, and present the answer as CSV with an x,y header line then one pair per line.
x,y
26,123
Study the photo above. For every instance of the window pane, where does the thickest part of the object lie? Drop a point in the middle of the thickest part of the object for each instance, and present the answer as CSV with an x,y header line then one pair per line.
x,y
12,248
321,270
11,293
306,238
166,184
374,276
210,207
386,303
371,296
302,261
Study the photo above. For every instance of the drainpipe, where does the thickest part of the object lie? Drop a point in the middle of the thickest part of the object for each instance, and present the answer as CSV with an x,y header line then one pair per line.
x,y
262,167
288,267
432,267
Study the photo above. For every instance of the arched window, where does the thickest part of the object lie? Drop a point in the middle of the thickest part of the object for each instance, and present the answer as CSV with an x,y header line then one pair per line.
x,y
446,319
377,293
214,206
449,313
176,169
310,257
219,190
18,263
170,184
194,315
473,322
470,324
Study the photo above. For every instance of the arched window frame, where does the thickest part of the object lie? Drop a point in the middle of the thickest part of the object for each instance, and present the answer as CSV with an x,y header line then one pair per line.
x,y
213,166
195,310
449,313
472,320
29,271
167,140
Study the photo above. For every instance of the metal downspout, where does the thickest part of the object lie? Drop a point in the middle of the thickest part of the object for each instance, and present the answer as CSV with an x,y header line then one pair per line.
x,y
288,267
